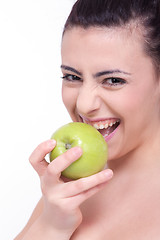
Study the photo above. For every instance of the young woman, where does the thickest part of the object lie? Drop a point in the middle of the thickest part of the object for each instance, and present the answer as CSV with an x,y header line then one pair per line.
x,y
111,76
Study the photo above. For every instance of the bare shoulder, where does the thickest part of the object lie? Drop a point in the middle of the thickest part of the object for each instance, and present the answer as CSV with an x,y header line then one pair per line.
x,y
36,213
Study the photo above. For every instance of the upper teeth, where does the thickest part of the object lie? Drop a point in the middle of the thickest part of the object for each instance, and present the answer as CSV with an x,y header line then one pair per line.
x,y
104,125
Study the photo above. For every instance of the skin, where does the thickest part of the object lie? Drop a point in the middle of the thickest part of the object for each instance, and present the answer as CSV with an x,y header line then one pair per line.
x,y
127,205
124,101
134,149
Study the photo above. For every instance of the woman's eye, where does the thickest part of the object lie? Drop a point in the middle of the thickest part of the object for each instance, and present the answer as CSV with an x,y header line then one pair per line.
x,y
71,78
113,81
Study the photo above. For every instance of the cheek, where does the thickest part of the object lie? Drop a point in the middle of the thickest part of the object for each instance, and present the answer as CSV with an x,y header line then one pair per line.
x,y
66,97
69,97
124,104
136,114
131,108
134,100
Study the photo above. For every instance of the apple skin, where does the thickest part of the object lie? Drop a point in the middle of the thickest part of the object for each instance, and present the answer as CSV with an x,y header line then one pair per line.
x,y
94,147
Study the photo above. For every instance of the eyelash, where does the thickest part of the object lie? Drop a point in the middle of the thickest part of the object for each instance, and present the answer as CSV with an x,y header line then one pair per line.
x,y
115,81
71,78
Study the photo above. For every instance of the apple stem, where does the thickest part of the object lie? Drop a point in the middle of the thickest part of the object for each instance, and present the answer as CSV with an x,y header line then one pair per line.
x,y
68,146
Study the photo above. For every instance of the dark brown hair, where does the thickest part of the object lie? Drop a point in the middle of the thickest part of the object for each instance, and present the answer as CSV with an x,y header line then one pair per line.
x,y
117,13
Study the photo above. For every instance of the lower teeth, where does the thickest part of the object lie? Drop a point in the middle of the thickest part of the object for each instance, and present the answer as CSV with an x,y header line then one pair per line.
x,y
106,135
110,130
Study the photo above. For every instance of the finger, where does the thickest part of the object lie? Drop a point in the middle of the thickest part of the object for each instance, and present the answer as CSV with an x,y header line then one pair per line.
x,y
37,158
77,200
84,184
63,161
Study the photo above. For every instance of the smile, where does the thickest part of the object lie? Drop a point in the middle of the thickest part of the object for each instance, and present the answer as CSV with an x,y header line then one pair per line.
x,y
106,127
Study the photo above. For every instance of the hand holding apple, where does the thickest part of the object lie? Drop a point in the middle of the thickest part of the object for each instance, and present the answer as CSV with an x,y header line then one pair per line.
x,y
94,147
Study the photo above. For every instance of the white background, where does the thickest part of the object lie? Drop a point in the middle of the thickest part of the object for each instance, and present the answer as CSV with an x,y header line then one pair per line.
x,y
31,107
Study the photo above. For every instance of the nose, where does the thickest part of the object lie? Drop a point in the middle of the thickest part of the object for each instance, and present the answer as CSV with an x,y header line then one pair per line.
x,y
88,101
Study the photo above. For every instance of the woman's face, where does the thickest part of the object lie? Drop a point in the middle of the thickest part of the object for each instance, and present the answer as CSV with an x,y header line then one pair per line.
x,y
110,83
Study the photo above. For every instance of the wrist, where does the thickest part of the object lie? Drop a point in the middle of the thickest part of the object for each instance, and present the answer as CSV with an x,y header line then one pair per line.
x,y
51,231
40,230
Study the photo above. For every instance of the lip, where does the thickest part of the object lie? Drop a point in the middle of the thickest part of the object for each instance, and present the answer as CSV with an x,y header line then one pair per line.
x,y
88,120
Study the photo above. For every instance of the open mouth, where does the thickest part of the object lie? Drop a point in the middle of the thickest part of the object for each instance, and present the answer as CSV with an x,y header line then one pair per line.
x,y
107,130
107,127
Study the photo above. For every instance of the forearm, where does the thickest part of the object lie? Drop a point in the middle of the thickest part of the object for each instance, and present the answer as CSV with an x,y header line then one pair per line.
x,y
40,231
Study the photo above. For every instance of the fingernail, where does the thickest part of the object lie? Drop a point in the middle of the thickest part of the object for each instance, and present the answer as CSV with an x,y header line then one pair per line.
x,y
78,151
52,142
109,173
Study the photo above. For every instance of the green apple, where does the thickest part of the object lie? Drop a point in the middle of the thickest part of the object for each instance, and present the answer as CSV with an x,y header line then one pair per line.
x,y
94,147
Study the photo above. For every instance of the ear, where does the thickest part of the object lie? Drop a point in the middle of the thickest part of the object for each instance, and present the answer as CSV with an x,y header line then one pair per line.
x,y
158,80
157,75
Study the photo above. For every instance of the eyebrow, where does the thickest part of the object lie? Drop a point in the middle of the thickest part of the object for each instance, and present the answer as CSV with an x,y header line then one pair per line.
x,y
71,69
98,74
